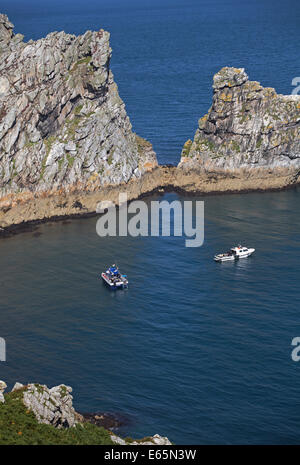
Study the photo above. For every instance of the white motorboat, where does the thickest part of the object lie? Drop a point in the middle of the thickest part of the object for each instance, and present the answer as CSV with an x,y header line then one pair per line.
x,y
235,253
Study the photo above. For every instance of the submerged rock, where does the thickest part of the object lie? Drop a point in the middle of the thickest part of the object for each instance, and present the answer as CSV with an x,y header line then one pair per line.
x,y
107,420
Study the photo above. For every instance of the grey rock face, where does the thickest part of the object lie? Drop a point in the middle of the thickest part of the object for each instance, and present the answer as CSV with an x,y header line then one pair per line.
x,y
55,407
156,440
3,386
62,122
248,126
152,440
6,30
51,406
17,386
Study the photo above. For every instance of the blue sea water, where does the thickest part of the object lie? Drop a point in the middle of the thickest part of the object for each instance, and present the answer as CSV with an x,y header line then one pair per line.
x,y
197,351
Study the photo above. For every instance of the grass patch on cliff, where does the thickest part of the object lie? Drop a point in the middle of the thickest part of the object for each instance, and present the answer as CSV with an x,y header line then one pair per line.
x,y
204,144
30,145
83,61
235,146
187,148
71,125
43,168
78,109
19,426
49,141
142,144
70,160
258,143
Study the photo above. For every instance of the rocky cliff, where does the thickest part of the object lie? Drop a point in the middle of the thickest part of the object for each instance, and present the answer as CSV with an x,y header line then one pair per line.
x,y
63,126
249,139
35,414
66,142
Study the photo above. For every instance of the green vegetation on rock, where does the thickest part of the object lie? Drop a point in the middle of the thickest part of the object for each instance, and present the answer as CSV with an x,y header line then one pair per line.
x,y
19,426
235,146
49,141
72,125
186,148
82,61
43,166
142,144
69,97
246,125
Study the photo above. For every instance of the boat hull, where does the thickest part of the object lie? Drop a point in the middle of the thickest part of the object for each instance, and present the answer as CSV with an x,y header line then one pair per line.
x,y
225,259
246,254
231,258
113,286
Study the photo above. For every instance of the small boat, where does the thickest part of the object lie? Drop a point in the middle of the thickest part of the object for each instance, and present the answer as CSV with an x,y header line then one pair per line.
x,y
114,279
235,253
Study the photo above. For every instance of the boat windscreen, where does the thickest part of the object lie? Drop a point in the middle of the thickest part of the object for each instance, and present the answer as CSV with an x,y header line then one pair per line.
x,y
112,269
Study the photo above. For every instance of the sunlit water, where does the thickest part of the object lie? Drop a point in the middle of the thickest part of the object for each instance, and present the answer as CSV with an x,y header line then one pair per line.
x,y
195,350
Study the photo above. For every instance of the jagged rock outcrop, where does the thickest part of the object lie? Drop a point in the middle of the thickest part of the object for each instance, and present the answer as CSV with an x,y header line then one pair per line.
x,y
50,406
55,407
63,126
66,142
250,137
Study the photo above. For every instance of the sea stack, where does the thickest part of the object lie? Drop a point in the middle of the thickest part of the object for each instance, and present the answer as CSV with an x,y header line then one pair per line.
x,y
63,126
248,140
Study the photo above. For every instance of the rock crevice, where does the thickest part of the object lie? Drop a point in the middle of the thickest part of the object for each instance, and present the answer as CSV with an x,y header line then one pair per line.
x,y
62,122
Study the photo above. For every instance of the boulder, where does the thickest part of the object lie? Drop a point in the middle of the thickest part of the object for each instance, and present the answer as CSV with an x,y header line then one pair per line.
x,y
17,386
51,406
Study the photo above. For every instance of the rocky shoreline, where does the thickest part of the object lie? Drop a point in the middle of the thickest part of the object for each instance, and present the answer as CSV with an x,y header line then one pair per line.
x,y
66,142
54,408
26,217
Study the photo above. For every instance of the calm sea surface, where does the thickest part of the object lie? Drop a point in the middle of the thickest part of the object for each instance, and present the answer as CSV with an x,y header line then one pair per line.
x,y
197,351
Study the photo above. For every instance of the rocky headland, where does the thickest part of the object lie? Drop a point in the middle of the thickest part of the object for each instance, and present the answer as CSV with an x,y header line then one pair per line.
x,y
65,136
66,142
35,414
248,140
